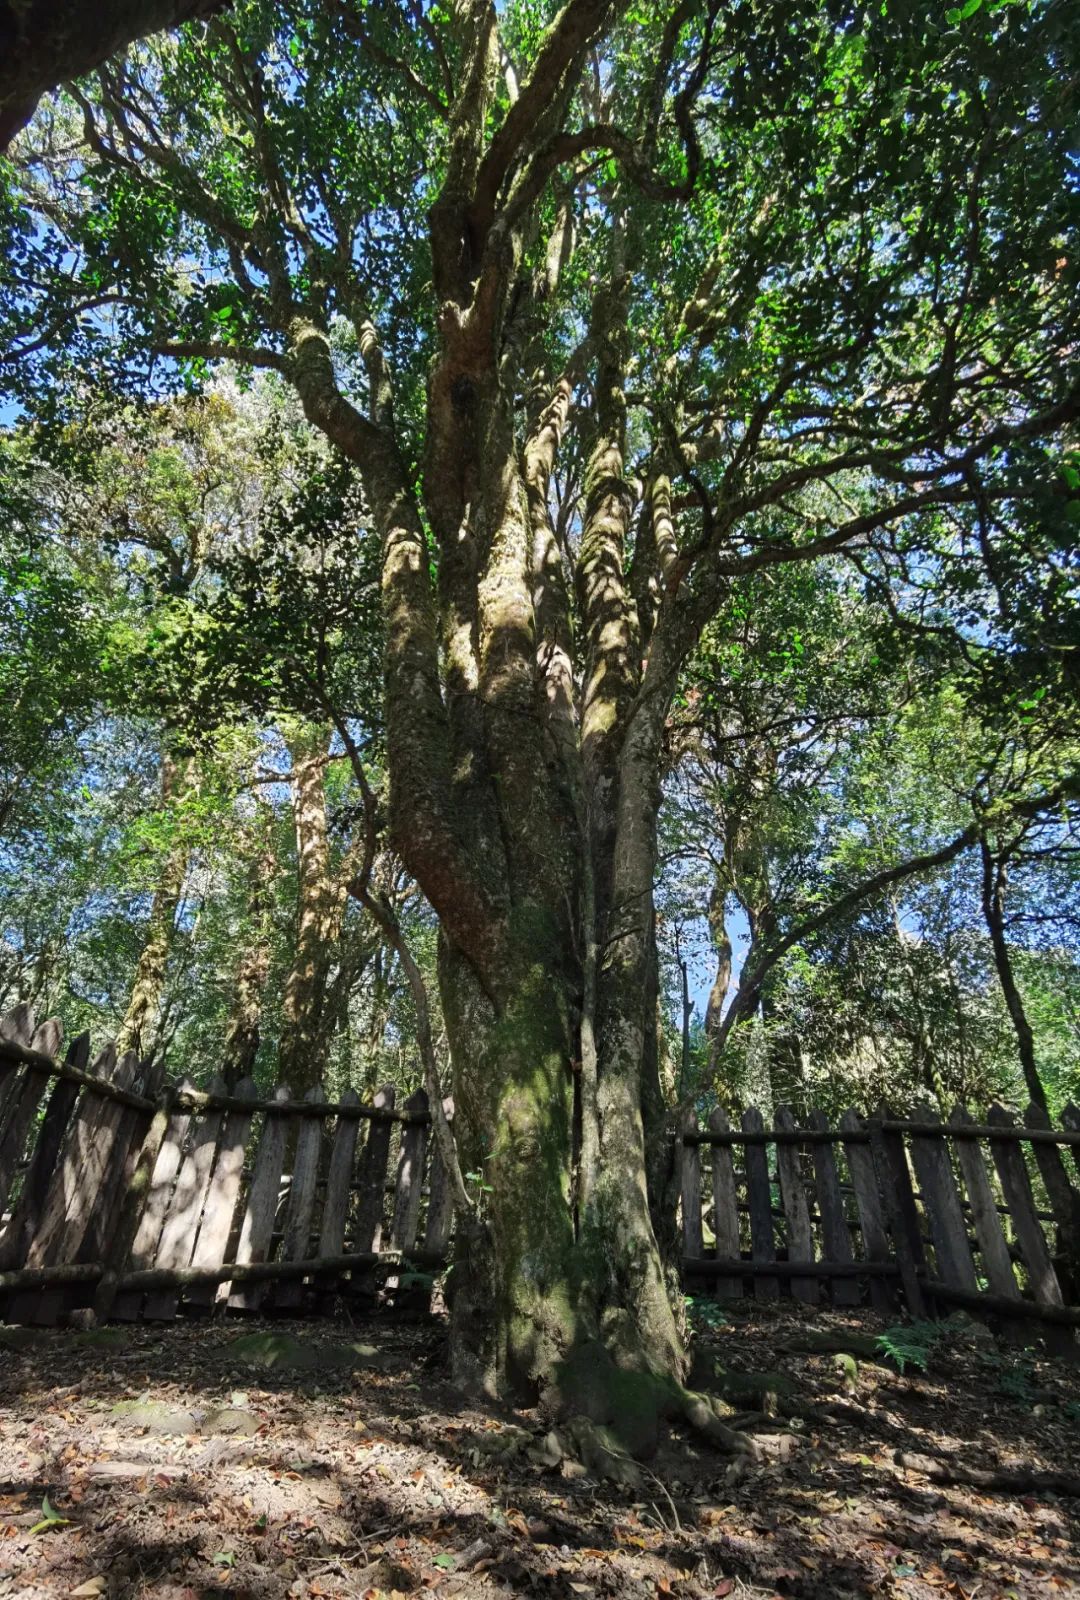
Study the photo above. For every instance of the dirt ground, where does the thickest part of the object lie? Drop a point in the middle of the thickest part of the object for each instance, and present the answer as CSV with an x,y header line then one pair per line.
x,y
334,1459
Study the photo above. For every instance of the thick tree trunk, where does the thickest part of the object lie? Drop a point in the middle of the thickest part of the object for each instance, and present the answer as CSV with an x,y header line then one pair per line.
x,y
242,1034
137,1031
319,907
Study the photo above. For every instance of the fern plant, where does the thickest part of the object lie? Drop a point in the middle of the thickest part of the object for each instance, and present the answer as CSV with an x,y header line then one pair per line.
x,y
909,1344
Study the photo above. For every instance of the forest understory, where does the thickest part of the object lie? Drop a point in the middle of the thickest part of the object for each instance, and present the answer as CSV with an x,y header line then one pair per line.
x,y
273,1459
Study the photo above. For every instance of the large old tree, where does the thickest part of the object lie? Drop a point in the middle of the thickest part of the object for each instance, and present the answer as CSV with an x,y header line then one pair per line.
x,y
609,306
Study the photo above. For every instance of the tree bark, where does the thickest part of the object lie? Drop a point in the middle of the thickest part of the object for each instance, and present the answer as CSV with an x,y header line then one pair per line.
x,y
995,879
242,1034
137,1031
319,907
43,43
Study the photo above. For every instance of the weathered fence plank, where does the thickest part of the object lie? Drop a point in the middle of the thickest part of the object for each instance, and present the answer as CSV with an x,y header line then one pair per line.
x,y
1070,1122
759,1203
440,1211
339,1184
993,1246
296,1243
132,1125
725,1207
256,1233
410,1174
26,1216
167,1160
941,1204
24,1099
147,1139
95,1128
1016,1185
800,1236
690,1188
372,1181
868,1203
16,1025
222,1193
894,1182
835,1233
43,1247
178,1235
1064,1199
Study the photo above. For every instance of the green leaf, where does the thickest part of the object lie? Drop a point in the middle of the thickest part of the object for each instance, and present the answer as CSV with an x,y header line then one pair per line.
x,y
49,1519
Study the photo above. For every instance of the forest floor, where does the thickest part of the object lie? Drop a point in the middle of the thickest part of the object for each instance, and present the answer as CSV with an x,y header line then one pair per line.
x,y
274,1460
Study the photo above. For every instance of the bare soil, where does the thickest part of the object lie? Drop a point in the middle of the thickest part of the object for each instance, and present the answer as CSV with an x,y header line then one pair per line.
x,y
177,1463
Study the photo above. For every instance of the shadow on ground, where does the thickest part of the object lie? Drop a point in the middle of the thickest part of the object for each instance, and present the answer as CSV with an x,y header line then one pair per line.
x,y
184,1465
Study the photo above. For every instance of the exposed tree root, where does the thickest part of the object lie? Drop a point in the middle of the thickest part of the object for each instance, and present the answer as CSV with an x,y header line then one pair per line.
x,y
610,1414
1009,1480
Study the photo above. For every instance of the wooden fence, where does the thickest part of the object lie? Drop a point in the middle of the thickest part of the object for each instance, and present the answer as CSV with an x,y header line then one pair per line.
x,y
920,1213
133,1196
130,1195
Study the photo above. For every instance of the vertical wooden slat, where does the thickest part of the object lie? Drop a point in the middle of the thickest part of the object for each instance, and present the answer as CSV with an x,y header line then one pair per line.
x,y
941,1203
339,1180
1070,1120
993,1247
167,1161
868,1202
296,1244
800,1235
256,1233
759,1204
725,1207
134,1200
894,1182
221,1196
100,1241
338,1193
17,1026
180,1230
24,1099
45,1247
440,1212
97,1125
690,1185
26,1217
1016,1185
410,1175
1064,1199
835,1233
372,1180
